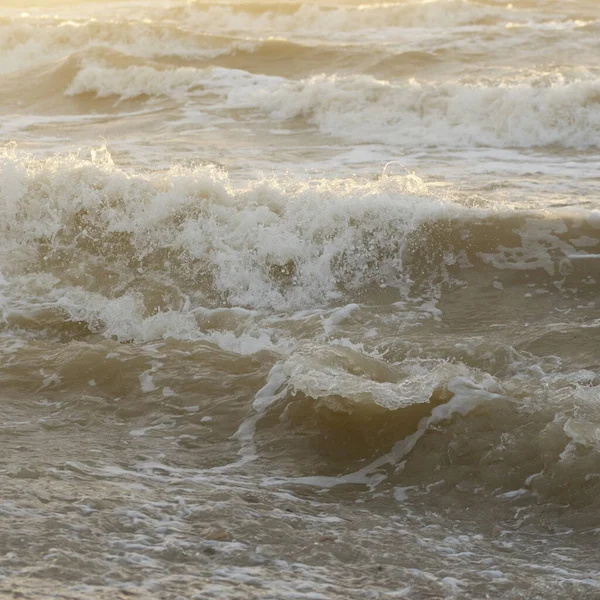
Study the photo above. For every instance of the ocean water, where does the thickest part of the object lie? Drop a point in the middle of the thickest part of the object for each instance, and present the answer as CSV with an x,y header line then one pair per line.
x,y
300,300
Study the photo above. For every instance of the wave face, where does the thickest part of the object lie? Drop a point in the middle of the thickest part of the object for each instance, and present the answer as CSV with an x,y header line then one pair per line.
x,y
291,288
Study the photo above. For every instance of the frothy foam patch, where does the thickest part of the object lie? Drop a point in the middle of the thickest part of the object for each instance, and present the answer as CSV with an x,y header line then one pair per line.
x,y
343,379
124,318
584,433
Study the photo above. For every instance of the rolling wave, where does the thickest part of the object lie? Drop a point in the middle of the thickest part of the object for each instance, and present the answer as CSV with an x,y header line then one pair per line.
x,y
496,113
28,42
520,112
360,420
523,111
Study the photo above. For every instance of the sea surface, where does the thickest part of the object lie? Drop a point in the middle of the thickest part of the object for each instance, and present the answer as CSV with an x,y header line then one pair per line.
x,y
300,300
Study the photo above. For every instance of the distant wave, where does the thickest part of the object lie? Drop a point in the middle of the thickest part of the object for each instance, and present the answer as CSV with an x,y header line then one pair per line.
x,y
25,46
524,112
26,42
295,40
316,18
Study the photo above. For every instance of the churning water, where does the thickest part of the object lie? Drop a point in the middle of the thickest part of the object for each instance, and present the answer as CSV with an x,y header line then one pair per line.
x,y
300,300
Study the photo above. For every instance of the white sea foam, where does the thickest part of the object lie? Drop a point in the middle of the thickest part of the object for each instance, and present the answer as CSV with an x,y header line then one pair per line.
x,y
517,112
345,379
453,113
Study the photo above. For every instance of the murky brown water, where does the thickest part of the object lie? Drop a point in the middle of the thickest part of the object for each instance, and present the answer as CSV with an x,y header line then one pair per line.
x,y
300,300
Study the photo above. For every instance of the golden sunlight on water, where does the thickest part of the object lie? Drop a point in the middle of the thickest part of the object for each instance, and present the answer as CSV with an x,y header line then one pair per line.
x,y
299,299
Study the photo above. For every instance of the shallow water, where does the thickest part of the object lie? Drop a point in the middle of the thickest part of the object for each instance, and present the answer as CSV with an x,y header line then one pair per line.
x,y
300,300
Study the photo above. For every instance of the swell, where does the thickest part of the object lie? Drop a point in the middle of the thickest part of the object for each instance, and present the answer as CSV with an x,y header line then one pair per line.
x,y
345,418
316,18
289,59
42,92
24,42
32,51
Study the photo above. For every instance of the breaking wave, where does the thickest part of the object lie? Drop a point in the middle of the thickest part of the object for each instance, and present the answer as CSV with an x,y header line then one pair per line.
x,y
505,113
119,250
